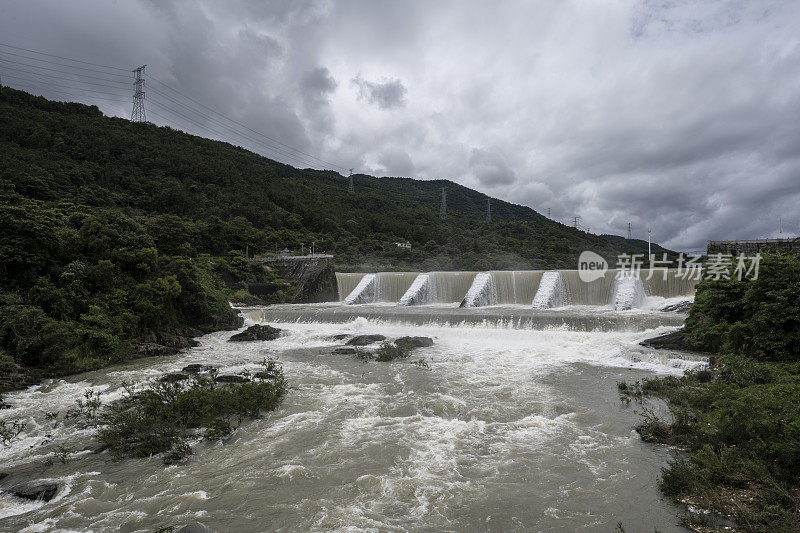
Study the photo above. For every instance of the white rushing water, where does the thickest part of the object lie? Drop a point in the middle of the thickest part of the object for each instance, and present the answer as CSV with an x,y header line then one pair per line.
x,y
505,429
364,292
547,288
419,292
482,292
551,292
628,291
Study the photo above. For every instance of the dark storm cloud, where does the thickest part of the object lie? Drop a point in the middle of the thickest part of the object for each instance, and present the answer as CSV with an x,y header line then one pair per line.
x,y
680,116
386,94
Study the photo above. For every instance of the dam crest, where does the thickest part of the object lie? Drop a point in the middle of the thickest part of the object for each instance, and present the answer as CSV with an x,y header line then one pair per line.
x,y
539,289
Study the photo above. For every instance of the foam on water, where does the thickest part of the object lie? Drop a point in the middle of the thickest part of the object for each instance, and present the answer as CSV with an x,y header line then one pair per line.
x,y
507,428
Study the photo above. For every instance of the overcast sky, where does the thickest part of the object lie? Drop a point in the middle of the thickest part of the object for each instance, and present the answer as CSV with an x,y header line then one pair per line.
x,y
679,115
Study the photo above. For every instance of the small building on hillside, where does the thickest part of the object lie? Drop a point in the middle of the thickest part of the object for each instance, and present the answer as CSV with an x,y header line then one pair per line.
x,y
403,245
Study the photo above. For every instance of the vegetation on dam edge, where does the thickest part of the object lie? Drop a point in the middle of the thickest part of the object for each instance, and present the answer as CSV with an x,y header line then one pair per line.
x,y
738,422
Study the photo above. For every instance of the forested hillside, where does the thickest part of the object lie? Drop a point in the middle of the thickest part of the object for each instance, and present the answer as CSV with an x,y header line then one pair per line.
x,y
227,197
117,234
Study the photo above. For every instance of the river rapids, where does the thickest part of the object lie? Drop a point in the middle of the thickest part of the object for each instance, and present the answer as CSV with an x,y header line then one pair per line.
x,y
508,426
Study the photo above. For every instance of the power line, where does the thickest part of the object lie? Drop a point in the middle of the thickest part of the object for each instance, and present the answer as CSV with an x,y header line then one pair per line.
x,y
61,57
56,70
62,78
50,90
232,129
214,132
287,151
246,127
295,160
59,64
14,77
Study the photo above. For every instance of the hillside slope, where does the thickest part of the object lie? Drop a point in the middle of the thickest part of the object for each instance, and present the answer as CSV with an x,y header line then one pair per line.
x,y
231,199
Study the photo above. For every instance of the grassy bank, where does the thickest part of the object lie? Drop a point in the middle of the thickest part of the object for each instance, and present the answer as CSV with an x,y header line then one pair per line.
x,y
737,423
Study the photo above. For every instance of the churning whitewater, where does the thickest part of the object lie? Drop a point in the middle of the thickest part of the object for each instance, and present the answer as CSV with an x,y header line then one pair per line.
x,y
499,429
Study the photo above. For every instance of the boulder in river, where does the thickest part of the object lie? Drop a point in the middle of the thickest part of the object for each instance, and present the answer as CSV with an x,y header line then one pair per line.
x,y
669,341
345,351
340,337
198,368
363,340
151,349
13,376
172,377
44,492
257,332
680,307
416,342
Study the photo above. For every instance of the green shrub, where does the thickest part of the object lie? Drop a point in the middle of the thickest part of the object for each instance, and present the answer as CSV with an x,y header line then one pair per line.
x,y
759,318
163,417
391,352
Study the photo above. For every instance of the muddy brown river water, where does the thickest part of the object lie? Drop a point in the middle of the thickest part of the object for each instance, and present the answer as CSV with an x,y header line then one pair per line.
x,y
512,426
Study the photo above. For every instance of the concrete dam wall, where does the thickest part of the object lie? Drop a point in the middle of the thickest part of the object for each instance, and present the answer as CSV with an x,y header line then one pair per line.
x,y
537,288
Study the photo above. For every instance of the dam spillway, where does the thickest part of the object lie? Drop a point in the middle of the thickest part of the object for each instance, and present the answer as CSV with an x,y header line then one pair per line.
x,y
540,289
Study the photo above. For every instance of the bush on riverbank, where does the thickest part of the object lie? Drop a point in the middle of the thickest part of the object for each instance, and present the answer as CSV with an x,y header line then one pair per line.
x,y
165,416
739,421
759,318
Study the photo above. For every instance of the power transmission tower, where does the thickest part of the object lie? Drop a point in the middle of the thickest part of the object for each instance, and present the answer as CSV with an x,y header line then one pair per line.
x,y
489,209
351,188
443,209
629,230
548,212
137,115
575,220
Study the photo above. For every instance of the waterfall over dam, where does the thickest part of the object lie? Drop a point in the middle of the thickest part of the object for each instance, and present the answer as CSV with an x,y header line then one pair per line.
x,y
540,289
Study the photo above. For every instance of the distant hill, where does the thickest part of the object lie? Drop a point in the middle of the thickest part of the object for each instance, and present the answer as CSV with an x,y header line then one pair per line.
x,y
67,152
639,246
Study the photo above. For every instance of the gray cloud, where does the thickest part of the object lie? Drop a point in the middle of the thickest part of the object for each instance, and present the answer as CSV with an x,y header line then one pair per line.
x,y
490,168
680,116
387,94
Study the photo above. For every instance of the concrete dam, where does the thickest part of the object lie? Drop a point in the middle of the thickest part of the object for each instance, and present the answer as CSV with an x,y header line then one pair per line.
x,y
539,289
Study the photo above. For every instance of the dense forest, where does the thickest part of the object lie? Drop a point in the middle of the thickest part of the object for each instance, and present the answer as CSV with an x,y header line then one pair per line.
x,y
115,234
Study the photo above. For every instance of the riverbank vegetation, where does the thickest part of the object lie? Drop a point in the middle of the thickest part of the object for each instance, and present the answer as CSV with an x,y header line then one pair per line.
x,y
738,422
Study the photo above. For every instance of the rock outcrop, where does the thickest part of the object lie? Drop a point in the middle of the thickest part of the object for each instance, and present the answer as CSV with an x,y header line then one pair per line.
x,y
364,340
44,492
680,307
257,332
669,341
13,376
198,368
416,342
